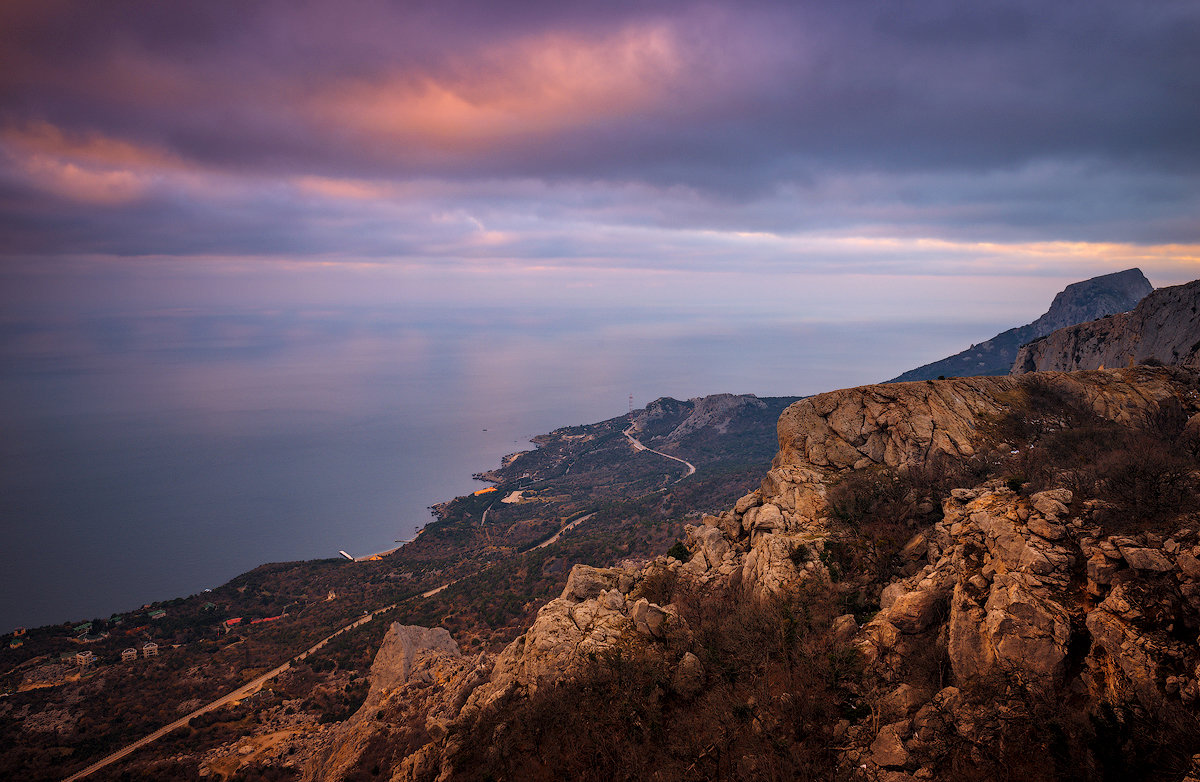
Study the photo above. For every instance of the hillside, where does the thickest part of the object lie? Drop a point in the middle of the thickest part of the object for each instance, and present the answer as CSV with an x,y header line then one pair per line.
x,y
57,715
1077,303
982,578
1163,328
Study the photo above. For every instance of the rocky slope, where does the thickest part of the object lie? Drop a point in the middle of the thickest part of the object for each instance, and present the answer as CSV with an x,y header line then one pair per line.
x,y
1077,303
1011,633
1164,327
669,420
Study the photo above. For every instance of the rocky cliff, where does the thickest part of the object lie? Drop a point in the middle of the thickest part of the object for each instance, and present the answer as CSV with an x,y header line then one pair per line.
x,y
670,421
1077,303
1164,327
927,585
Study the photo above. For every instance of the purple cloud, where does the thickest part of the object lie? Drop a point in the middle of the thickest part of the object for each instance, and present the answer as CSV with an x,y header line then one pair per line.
x,y
303,128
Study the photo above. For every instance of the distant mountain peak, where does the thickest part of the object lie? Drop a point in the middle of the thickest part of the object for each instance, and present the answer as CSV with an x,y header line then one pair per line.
x,y
1107,294
1079,302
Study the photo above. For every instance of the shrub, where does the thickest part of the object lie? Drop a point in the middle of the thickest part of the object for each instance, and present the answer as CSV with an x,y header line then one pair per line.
x,y
1146,481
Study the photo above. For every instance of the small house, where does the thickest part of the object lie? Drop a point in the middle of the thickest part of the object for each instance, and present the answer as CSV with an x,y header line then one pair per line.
x,y
129,655
149,649
85,658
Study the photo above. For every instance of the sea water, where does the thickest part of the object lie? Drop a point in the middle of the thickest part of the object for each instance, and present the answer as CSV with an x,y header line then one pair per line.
x,y
153,453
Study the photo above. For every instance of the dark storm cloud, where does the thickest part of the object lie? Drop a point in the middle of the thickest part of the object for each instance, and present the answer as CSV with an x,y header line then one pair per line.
x,y
184,127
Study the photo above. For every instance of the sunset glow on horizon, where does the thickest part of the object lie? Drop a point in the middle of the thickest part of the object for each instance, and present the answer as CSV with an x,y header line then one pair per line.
x,y
935,139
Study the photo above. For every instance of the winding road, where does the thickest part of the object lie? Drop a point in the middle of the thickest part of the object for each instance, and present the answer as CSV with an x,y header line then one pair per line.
x,y
639,446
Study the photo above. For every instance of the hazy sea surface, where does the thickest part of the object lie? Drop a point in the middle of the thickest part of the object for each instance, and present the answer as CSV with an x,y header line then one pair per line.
x,y
149,455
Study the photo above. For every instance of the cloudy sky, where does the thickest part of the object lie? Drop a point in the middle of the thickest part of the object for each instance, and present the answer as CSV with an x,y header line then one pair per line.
x,y
702,147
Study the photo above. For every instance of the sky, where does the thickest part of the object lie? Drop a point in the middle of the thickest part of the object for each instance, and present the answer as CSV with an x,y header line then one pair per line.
x,y
853,155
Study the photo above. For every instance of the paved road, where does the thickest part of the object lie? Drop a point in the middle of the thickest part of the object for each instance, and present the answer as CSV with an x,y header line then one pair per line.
x,y
638,446
244,691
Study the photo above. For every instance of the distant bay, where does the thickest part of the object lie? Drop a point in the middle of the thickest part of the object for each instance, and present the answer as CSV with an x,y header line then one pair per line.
x,y
150,454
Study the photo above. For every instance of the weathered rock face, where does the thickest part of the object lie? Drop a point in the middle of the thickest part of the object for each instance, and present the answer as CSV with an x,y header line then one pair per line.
x,y
417,671
1079,302
1095,298
900,424
885,425
1164,326
996,566
591,616
1003,601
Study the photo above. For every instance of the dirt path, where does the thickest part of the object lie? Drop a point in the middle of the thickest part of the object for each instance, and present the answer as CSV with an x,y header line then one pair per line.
x,y
554,538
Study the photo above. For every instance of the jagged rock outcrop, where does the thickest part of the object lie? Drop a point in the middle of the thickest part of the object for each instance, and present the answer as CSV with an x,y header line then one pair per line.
x,y
599,610
1165,327
1004,601
1079,302
419,681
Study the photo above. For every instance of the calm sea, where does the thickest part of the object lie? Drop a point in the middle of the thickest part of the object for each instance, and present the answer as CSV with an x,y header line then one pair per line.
x,y
147,456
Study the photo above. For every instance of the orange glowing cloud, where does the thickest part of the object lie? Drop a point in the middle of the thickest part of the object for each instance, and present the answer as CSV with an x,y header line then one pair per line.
x,y
92,169
533,86
343,189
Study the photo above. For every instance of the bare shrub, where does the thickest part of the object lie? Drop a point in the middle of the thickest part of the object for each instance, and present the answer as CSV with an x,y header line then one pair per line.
x,y
1146,481
879,509
659,586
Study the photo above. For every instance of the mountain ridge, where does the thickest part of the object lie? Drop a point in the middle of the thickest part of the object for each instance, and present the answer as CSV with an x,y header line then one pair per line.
x,y
1082,301
1163,328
